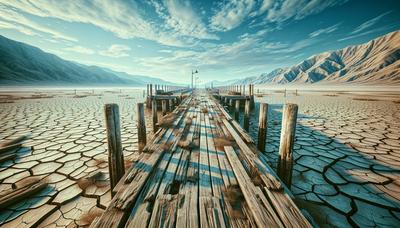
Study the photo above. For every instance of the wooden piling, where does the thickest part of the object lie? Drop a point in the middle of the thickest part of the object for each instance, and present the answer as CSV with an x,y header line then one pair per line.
x,y
237,110
252,105
164,107
154,115
246,115
115,156
262,126
141,126
285,160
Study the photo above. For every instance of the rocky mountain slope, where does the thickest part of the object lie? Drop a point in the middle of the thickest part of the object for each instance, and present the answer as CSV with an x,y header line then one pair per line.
x,y
374,62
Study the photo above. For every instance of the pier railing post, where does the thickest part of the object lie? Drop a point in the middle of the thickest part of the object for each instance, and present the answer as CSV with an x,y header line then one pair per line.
x,y
237,110
149,98
164,107
285,159
154,115
262,126
141,126
246,115
115,156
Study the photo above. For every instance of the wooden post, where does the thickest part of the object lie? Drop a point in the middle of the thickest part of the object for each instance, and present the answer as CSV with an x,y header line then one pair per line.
x,y
252,105
149,98
262,126
285,93
285,159
237,109
141,126
246,115
147,89
170,105
164,107
144,92
154,115
115,156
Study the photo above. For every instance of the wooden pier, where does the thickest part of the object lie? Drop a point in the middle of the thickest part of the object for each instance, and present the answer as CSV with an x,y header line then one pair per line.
x,y
201,169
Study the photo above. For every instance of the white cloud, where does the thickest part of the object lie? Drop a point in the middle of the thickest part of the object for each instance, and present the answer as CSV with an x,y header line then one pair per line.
x,y
23,24
266,4
368,23
21,29
116,51
80,49
379,29
165,51
231,14
281,11
325,30
122,18
183,19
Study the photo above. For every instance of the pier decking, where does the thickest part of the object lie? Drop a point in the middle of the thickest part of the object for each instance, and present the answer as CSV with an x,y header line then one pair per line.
x,y
200,169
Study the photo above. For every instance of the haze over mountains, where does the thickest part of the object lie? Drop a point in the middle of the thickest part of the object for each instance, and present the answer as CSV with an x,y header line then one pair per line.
x,y
22,64
374,62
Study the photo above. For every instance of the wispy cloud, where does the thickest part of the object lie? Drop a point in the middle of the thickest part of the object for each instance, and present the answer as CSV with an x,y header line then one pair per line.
x,y
122,18
80,49
371,31
280,11
369,23
231,14
15,20
296,46
116,51
21,29
325,30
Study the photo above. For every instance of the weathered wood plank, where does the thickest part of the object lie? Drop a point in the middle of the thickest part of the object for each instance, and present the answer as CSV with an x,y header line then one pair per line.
x,y
262,216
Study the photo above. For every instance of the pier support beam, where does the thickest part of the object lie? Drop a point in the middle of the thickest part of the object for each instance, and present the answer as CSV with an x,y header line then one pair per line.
x,y
285,160
141,126
262,126
154,115
115,156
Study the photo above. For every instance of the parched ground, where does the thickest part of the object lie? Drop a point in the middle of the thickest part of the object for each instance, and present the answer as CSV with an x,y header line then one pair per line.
x,y
347,156
68,143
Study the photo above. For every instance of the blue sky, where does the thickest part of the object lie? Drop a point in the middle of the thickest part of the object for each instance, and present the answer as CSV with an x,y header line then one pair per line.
x,y
222,39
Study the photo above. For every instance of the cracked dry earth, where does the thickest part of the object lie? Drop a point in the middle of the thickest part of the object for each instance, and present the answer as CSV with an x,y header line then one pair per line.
x,y
68,143
346,172
347,157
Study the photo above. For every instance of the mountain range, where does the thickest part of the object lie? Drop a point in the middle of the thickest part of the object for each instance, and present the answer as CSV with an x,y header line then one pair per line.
x,y
22,64
374,62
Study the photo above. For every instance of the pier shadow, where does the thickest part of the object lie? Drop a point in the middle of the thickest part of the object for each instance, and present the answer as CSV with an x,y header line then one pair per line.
x,y
338,184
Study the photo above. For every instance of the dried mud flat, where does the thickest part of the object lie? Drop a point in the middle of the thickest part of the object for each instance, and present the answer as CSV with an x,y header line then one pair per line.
x,y
347,156
67,144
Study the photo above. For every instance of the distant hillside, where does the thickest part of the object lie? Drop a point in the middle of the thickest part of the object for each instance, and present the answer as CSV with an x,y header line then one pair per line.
x,y
22,64
375,62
